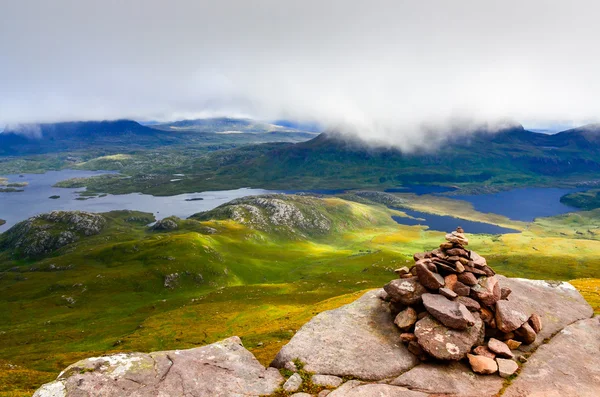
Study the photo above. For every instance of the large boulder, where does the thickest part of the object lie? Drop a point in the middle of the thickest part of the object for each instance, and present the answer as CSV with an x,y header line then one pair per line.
x,y
557,303
223,369
444,343
568,365
450,313
359,339
449,378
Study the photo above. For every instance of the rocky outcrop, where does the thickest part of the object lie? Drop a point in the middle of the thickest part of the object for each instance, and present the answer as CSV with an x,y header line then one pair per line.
x,y
166,224
46,233
223,369
568,365
289,213
359,339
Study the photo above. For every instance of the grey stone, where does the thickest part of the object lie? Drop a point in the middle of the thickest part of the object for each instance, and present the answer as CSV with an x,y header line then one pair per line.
x,y
506,367
568,365
406,318
453,378
324,393
326,380
222,369
450,313
444,343
301,395
355,388
407,291
293,383
358,339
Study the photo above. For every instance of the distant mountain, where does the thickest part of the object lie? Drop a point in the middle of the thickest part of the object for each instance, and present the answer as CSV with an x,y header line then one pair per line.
x,y
332,160
581,137
120,135
56,137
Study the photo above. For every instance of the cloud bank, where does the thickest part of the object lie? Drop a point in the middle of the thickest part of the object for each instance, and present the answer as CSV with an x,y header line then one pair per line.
x,y
395,71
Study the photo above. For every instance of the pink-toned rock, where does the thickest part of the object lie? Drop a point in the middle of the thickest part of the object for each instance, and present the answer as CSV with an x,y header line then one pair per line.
x,y
450,313
429,279
448,293
471,304
510,315
450,281
487,291
526,334
500,348
478,260
461,289
484,351
445,343
536,322
467,278
482,365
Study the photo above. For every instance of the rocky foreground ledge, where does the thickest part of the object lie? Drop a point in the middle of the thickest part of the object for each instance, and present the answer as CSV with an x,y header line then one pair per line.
x,y
359,341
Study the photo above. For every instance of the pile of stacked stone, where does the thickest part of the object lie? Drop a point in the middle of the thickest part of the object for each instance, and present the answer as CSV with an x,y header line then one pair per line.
x,y
450,306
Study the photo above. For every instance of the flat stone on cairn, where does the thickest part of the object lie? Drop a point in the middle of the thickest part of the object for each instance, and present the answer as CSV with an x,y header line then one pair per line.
x,y
468,313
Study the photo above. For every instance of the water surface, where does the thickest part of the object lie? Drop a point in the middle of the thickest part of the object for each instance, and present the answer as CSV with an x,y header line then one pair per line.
x,y
523,204
18,206
445,223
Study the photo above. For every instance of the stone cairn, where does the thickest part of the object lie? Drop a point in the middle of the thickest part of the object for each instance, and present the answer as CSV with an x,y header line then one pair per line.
x,y
449,306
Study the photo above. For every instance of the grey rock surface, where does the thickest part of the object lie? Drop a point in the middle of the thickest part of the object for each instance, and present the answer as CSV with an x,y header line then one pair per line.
x,y
326,380
568,365
354,388
293,383
358,339
222,369
449,378
558,303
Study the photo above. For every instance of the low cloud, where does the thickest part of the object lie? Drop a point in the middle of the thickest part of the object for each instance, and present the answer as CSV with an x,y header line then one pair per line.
x,y
408,74
26,130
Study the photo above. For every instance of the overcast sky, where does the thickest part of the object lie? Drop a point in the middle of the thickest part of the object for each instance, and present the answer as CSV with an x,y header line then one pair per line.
x,y
387,69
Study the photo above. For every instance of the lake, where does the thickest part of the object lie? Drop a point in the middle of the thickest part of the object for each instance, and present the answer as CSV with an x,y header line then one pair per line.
x,y
519,204
445,223
523,204
18,206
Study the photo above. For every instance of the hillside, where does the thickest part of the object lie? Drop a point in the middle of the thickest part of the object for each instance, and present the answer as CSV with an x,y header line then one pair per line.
x,y
295,216
184,283
484,161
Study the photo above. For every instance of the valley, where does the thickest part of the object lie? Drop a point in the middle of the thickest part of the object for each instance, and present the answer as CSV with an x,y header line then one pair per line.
x,y
137,288
188,249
